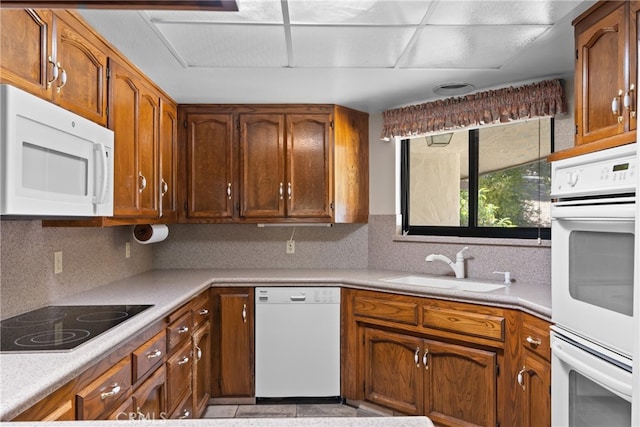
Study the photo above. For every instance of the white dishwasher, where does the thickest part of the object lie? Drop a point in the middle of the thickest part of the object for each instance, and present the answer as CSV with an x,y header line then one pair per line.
x,y
297,335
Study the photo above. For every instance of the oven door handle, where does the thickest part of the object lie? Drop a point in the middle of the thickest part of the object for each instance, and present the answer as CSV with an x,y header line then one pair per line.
x,y
621,212
617,387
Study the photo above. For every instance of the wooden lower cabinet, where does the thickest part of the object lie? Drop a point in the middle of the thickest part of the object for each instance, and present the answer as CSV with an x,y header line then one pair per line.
x,y
201,368
451,384
232,373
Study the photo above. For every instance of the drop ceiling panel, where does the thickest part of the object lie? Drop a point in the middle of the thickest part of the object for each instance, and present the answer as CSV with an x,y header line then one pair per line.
x,y
357,12
539,12
346,47
257,12
487,47
225,45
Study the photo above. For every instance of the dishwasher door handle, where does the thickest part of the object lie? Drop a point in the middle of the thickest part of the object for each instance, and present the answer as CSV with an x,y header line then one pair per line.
x,y
298,297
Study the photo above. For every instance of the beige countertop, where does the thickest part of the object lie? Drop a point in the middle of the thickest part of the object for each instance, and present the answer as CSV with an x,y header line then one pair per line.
x,y
26,378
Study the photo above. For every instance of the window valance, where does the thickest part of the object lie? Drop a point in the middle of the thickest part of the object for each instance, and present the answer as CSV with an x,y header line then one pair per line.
x,y
545,98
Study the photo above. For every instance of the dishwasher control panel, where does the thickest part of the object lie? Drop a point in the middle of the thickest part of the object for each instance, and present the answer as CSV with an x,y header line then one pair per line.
x,y
293,295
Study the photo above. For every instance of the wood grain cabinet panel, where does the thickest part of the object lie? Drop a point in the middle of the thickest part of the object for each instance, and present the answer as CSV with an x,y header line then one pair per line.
x,y
25,43
179,374
211,184
149,355
168,167
386,309
233,343
201,368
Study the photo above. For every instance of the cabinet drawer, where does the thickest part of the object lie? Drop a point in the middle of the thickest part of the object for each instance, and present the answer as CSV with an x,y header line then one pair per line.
x,y
149,355
179,330
179,369
479,324
386,309
105,392
184,410
534,336
201,309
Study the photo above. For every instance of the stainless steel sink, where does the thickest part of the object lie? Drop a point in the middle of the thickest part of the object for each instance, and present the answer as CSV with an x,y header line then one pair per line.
x,y
444,283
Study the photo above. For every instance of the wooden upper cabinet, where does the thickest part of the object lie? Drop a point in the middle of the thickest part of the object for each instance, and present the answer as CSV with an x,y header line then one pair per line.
x,y
168,150
308,166
134,120
263,186
605,77
82,74
208,167
25,43
54,56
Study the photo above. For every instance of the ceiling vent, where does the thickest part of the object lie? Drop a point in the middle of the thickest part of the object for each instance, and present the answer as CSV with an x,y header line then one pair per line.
x,y
452,89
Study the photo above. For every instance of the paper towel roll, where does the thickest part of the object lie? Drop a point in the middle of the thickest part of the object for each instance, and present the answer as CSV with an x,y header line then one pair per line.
x,y
150,233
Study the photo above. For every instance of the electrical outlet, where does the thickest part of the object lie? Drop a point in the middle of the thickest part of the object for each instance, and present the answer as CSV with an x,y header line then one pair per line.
x,y
291,246
57,262
127,250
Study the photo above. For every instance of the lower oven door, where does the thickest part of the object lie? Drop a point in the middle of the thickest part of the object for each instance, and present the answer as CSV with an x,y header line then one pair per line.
x,y
590,388
592,263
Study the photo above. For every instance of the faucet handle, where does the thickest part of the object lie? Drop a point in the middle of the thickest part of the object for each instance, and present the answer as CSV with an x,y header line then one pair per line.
x,y
460,255
507,276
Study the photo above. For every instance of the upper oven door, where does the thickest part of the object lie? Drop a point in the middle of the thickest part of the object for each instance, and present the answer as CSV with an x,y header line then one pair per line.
x,y
592,255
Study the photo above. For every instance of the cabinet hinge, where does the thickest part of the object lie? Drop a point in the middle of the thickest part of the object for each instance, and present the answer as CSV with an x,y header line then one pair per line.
x,y
108,73
331,206
549,390
497,370
576,129
186,206
185,124
238,124
576,54
331,124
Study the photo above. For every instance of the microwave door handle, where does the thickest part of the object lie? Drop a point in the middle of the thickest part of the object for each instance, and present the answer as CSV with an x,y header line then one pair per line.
x,y
104,162
619,388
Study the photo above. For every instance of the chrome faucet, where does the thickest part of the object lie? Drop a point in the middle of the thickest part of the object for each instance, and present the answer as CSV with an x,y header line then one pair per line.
x,y
458,267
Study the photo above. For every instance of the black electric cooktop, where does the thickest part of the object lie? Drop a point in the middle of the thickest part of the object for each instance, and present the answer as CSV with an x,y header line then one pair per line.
x,y
61,327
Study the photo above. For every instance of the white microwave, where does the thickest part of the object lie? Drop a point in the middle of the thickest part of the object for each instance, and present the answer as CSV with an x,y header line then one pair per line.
x,y
53,163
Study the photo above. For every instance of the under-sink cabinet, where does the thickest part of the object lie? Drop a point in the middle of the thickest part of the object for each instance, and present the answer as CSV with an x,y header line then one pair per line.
x,y
453,362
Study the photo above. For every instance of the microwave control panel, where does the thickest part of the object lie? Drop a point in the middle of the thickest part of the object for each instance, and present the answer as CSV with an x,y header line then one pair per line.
x,y
612,171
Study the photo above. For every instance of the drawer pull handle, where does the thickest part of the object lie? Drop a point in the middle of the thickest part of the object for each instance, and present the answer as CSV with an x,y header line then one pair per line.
x,y
425,359
154,354
244,313
203,312
183,330
115,389
416,357
534,341
185,414
199,353
184,360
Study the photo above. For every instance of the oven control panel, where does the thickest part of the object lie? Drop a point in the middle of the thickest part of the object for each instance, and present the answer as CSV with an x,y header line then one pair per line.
x,y
612,171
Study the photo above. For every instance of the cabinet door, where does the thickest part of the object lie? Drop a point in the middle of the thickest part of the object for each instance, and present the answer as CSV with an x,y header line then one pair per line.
x,y
134,120
168,160
263,178
148,127
201,368
460,385
25,43
536,385
600,75
233,340
179,375
308,183
393,375
150,400
81,86
210,166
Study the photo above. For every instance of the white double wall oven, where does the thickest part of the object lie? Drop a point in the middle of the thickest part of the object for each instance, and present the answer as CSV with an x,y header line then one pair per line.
x,y
594,286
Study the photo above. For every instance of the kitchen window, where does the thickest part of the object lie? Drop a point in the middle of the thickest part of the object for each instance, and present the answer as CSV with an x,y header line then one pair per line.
x,y
491,181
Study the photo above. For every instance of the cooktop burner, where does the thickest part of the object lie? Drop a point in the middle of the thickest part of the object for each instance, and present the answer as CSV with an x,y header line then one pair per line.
x,y
61,327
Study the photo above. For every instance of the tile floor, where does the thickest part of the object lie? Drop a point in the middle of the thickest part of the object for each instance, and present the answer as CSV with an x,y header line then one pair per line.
x,y
286,411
